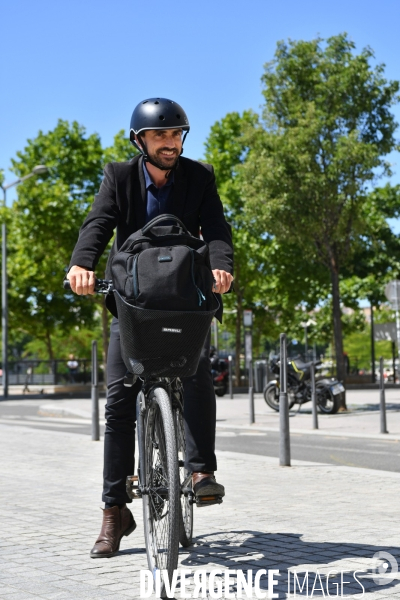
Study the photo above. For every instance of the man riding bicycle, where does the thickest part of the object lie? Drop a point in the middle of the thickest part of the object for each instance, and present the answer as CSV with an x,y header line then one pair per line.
x,y
157,181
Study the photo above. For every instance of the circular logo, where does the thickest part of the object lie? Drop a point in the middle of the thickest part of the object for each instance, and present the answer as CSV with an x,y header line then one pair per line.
x,y
387,570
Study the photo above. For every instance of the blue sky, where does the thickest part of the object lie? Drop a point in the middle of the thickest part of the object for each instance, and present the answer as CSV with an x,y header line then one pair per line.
x,y
93,61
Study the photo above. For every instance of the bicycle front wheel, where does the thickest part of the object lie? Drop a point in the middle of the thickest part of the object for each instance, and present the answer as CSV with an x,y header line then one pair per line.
x,y
186,507
161,499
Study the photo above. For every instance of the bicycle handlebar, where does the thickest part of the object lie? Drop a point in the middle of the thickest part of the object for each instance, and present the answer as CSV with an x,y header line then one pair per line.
x,y
101,286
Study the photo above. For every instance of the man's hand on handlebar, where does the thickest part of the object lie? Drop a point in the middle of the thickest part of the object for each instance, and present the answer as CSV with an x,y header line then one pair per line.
x,y
222,281
82,280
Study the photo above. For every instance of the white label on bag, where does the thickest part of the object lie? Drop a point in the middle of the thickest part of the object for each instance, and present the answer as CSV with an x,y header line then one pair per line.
x,y
170,330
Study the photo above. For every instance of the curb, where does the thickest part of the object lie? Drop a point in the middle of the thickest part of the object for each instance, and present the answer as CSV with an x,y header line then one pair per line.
x,y
52,410
320,432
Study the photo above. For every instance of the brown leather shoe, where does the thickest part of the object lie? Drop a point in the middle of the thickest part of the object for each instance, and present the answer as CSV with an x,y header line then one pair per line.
x,y
204,484
117,522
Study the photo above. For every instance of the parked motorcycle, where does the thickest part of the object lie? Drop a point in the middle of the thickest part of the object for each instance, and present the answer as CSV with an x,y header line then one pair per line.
x,y
328,391
220,373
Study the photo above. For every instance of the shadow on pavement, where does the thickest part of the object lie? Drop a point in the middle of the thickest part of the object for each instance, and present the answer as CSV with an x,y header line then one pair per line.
x,y
131,551
246,549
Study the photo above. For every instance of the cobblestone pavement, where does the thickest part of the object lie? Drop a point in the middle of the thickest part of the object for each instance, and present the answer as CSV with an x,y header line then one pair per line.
x,y
303,518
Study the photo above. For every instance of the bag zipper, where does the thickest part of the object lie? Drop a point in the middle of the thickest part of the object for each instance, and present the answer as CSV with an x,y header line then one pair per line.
x,y
135,276
139,240
199,292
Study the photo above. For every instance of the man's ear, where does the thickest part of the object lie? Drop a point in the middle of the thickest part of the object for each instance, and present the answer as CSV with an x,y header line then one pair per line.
x,y
134,139
143,136
138,141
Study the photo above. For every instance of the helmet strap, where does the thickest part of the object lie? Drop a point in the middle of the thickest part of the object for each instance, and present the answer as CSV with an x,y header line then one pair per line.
x,y
143,151
183,141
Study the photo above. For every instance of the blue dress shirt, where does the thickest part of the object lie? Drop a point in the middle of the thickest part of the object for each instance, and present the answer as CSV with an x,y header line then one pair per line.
x,y
159,200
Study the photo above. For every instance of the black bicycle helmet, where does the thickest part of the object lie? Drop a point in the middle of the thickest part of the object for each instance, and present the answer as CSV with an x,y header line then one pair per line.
x,y
157,113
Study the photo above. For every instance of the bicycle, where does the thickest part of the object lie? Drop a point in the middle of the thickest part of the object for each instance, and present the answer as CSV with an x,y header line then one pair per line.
x,y
163,482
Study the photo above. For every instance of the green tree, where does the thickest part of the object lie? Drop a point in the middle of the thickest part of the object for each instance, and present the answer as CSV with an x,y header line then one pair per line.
x,y
326,127
270,277
43,229
226,149
376,257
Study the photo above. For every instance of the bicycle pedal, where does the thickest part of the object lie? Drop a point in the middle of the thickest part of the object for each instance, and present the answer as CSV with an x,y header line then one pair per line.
x,y
132,487
207,500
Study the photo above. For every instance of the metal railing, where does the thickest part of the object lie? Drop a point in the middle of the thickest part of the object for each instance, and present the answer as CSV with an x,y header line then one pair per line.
x,y
49,372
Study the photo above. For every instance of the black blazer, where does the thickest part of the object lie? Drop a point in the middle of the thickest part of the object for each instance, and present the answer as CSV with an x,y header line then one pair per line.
x,y
122,202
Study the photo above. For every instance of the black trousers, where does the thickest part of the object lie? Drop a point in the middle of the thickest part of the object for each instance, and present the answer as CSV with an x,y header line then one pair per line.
x,y
119,436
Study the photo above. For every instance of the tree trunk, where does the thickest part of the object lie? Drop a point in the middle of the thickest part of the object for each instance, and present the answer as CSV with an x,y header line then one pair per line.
x,y
49,345
105,334
337,329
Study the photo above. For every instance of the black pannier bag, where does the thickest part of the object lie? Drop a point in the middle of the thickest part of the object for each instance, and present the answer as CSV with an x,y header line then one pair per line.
x,y
162,282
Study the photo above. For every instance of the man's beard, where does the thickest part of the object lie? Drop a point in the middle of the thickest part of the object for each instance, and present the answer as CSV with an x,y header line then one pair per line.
x,y
159,161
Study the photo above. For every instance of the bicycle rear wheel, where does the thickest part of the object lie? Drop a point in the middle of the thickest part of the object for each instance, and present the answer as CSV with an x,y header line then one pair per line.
x,y
186,507
161,502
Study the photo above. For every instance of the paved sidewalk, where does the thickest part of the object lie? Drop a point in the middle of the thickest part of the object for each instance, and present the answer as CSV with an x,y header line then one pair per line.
x,y
306,517
361,420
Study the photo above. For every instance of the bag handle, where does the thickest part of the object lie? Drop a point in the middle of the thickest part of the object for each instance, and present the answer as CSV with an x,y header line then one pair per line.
x,y
161,218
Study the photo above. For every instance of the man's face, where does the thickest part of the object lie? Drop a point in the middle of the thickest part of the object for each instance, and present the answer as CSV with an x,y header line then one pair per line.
x,y
163,145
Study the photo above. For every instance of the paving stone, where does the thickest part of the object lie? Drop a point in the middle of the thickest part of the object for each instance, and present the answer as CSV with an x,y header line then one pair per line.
x,y
45,555
4,590
21,596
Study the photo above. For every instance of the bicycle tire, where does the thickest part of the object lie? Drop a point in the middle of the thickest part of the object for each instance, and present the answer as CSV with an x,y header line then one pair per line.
x,y
185,507
161,500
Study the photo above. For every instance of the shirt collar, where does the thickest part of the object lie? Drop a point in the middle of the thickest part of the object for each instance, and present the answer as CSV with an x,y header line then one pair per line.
x,y
148,180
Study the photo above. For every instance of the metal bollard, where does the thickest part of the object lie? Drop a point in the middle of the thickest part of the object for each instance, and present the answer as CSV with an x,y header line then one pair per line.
x,y
284,438
230,377
251,393
314,397
95,395
382,397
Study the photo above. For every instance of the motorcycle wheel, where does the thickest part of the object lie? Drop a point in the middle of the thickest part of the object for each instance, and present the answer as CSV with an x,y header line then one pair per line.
x,y
327,402
221,391
271,396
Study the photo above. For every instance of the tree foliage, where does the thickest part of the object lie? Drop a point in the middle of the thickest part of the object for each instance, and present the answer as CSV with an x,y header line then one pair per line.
x,y
271,278
43,228
326,128
226,149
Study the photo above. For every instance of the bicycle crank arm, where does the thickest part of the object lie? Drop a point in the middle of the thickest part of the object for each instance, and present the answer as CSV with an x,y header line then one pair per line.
x,y
186,486
132,487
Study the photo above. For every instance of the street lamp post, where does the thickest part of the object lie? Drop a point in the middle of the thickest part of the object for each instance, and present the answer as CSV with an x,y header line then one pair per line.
x,y
38,170
248,345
